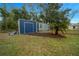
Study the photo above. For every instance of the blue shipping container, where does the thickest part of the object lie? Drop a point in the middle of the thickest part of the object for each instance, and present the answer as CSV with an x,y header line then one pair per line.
x,y
26,26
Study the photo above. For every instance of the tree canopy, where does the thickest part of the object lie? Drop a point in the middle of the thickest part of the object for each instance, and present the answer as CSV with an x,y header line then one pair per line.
x,y
57,18
49,13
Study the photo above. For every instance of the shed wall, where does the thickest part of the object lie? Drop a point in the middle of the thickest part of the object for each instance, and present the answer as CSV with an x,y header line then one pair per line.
x,y
26,26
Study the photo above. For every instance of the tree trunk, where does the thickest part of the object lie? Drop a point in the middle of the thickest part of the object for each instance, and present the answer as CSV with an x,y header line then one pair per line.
x,y
56,32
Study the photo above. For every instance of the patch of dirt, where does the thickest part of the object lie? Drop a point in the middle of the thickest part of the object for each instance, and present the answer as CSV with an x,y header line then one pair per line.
x,y
3,35
47,34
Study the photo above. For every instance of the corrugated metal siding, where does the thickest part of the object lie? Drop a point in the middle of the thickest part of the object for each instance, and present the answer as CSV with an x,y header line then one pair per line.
x,y
21,26
37,27
43,27
27,26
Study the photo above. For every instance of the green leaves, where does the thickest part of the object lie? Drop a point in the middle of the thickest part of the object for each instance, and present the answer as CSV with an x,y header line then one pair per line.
x,y
49,13
11,17
58,19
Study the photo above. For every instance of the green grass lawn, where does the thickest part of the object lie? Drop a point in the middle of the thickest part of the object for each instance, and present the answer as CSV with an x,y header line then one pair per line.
x,y
38,45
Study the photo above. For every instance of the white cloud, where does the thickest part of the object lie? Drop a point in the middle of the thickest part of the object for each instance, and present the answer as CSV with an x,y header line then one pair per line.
x,y
74,21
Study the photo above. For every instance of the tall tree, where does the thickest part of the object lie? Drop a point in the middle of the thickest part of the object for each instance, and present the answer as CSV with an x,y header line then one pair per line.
x,y
24,13
5,15
57,18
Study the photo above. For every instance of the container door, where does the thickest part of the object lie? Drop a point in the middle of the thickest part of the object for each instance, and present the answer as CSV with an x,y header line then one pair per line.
x,y
21,26
29,27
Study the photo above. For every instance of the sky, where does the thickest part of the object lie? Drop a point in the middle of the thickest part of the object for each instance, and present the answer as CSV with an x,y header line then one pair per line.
x,y
73,6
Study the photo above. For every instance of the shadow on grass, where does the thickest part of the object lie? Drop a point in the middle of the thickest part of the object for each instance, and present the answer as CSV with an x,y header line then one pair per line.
x,y
50,35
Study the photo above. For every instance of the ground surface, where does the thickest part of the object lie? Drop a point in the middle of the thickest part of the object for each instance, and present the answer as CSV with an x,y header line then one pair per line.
x,y
3,35
41,44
